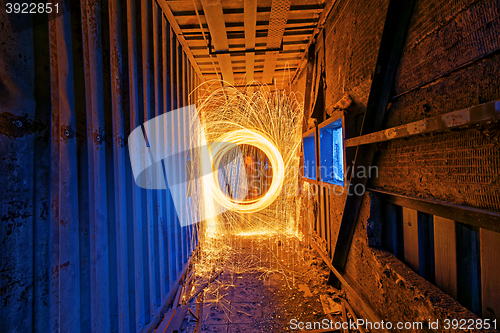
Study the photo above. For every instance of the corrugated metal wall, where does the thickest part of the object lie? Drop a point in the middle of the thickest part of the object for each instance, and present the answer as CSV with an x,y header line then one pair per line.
x,y
82,247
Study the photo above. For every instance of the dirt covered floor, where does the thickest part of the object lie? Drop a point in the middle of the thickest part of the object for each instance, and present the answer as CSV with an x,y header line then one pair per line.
x,y
265,286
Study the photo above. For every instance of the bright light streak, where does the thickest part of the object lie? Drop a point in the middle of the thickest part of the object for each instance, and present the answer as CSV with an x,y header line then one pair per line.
x,y
254,233
260,141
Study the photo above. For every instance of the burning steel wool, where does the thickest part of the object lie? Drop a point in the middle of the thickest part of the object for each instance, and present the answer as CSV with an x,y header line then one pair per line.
x,y
258,229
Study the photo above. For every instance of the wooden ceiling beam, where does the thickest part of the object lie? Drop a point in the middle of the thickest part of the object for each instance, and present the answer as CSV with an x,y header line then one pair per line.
x,y
275,33
311,20
301,8
243,46
250,32
259,34
215,20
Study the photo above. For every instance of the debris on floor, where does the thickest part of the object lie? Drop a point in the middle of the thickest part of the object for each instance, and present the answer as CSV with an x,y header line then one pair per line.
x,y
259,299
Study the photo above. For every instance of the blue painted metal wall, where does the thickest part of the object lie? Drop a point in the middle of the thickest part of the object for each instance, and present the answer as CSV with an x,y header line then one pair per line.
x,y
82,247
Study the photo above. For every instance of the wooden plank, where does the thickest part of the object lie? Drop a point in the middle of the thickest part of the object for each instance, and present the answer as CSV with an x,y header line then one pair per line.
x,y
277,22
353,314
332,238
464,117
445,259
174,289
317,216
315,8
410,234
215,21
310,219
490,272
250,7
344,317
328,221
176,322
322,220
165,321
199,313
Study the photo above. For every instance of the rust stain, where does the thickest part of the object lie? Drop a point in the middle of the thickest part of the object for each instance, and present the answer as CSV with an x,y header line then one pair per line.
x,y
66,264
456,118
67,132
121,141
64,222
391,133
55,270
14,126
55,202
98,136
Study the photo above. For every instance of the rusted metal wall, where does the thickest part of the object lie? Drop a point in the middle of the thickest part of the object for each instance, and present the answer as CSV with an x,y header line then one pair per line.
x,y
82,247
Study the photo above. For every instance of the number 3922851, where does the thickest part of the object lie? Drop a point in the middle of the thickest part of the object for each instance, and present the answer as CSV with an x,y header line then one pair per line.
x,y
31,8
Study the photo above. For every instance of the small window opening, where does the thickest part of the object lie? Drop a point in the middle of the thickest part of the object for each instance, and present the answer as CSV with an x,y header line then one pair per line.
x,y
332,153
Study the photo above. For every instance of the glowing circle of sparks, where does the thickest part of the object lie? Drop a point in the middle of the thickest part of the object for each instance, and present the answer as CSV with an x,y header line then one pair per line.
x,y
260,141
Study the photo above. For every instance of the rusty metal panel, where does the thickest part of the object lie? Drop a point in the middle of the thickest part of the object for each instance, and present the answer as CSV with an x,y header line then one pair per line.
x,y
172,70
82,247
137,194
167,104
158,90
17,142
122,182
65,264
41,181
98,203
150,270
175,105
182,134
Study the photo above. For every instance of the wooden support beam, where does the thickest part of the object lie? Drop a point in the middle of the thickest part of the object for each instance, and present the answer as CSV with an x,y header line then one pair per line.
x,y
410,233
317,7
445,260
390,50
215,20
328,226
167,319
199,313
344,318
250,29
322,213
176,320
473,115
